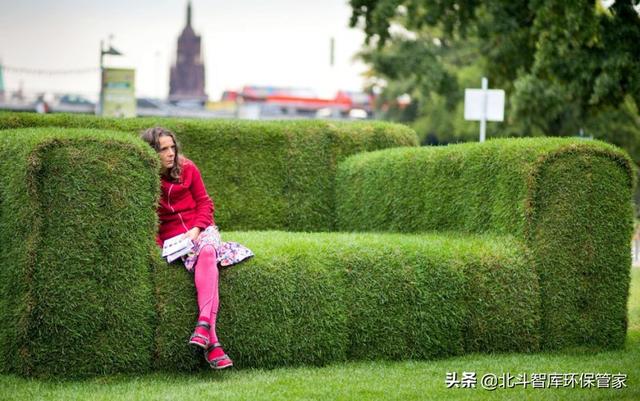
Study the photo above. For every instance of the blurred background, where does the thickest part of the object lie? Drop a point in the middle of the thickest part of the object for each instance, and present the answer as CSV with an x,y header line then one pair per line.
x,y
566,68
299,54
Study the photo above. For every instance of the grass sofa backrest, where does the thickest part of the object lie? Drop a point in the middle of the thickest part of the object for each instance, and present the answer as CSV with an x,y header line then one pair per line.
x,y
261,175
569,201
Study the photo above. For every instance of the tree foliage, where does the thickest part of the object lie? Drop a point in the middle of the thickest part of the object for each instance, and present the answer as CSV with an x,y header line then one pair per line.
x,y
430,70
568,66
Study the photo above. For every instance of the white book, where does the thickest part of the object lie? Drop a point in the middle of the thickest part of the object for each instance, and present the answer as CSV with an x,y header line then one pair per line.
x,y
176,255
175,247
175,244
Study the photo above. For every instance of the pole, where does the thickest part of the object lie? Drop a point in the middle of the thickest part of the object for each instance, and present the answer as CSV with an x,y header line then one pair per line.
x,y
156,73
332,47
483,121
1,84
101,94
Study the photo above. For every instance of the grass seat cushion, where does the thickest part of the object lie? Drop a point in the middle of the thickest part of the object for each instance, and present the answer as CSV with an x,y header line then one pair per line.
x,y
316,298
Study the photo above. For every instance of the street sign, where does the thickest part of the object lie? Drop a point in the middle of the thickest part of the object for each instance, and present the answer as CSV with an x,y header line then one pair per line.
x,y
474,101
483,105
118,92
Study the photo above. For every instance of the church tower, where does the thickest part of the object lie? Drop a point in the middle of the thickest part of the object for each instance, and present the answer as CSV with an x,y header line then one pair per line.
x,y
186,82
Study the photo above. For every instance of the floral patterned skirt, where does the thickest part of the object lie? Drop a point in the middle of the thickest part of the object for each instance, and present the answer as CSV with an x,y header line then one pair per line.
x,y
228,253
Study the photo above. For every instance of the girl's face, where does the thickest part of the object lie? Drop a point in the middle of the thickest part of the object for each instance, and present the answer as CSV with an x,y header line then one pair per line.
x,y
167,151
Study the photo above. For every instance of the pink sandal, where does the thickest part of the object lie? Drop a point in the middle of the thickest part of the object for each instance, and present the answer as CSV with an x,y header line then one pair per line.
x,y
219,360
199,338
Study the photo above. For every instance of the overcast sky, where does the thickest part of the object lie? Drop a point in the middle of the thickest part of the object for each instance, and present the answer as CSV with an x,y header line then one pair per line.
x,y
259,42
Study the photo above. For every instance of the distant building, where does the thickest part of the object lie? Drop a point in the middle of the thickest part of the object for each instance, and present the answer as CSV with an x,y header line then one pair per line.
x,y
186,82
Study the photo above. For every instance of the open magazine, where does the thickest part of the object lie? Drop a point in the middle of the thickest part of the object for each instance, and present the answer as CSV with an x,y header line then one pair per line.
x,y
177,246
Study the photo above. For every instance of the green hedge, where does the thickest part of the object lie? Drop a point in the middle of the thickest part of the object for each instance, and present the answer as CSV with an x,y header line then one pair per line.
x,y
261,175
569,201
77,223
327,297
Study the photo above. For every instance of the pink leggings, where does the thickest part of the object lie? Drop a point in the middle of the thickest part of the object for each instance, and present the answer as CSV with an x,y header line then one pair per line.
x,y
206,280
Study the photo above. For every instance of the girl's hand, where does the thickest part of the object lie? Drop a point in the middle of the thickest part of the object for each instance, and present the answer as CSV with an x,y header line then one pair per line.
x,y
193,233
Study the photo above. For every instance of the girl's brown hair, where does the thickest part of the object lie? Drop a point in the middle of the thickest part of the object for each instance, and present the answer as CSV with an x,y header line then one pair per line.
x,y
151,136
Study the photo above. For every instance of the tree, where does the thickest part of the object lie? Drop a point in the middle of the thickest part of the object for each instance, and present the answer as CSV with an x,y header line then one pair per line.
x,y
564,63
428,69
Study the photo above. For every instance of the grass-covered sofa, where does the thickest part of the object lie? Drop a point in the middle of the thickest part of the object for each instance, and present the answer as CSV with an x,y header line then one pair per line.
x,y
367,246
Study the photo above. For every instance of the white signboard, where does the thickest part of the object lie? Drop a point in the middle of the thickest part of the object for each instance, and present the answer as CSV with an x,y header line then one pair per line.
x,y
474,103
484,105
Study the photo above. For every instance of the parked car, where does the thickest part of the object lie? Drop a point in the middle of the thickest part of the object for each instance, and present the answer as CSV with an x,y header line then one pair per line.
x,y
71,103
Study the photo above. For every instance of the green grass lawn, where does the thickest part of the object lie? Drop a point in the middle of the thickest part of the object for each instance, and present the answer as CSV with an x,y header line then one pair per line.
x,y
408,380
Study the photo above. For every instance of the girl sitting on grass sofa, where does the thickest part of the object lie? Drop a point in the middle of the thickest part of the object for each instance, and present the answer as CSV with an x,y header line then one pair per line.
x,y
185,208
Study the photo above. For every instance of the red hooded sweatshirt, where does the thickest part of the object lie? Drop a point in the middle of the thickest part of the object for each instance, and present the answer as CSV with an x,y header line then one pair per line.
x,y
184,204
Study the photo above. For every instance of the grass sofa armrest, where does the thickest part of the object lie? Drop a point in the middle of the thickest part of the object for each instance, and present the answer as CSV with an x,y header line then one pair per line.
x,y
569,201
77,220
